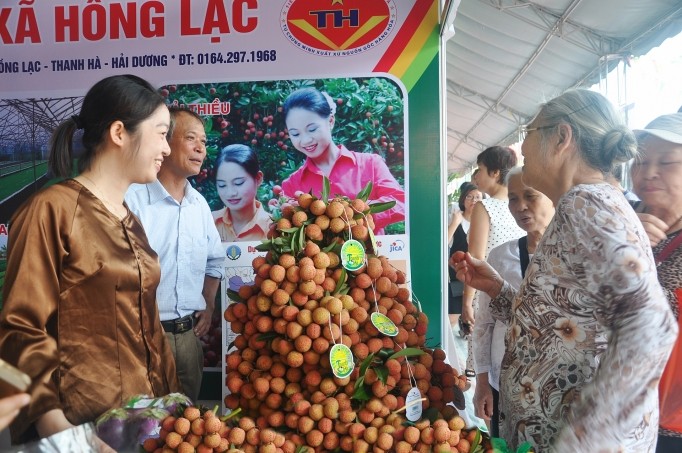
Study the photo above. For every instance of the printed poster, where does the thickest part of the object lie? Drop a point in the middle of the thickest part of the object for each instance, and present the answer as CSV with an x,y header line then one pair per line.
x,y
235,62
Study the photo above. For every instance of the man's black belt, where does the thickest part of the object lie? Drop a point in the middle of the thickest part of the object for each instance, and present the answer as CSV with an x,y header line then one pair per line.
x,y
179,325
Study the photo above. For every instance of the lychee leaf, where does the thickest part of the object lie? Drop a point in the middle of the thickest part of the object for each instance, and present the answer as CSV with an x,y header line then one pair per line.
x,y
382,373
293,244
341,282
407,352
290,230
325,189
373,240
432,415
267,336
385,353
477,441
359,383
364,193
301,239
365,364
329,248
333,247
361,394
381,207
233,295
264,246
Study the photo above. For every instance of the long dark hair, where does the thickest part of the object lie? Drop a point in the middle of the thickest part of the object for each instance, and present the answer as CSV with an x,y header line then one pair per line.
x,y
239,154
126,98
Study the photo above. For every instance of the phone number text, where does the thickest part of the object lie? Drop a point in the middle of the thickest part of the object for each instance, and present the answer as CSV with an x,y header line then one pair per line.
x,y
237,56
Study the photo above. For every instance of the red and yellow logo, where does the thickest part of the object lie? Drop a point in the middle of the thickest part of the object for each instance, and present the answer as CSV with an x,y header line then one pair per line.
x,y
337,27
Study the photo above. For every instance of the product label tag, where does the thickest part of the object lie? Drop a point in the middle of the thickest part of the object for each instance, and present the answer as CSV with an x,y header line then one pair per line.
x,y
352,255
413,405
384,324
341,360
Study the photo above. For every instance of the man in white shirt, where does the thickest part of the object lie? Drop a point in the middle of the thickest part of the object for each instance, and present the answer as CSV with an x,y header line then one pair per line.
x,y
180,229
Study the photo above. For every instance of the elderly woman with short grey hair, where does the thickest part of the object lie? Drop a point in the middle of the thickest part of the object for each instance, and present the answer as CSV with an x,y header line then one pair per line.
x,y
657,180
590,329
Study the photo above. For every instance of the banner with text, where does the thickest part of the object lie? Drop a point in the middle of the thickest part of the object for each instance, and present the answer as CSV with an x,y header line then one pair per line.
x,y
235,62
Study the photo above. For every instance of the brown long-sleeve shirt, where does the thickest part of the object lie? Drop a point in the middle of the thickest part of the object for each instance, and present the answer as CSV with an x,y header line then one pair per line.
x,y
80,314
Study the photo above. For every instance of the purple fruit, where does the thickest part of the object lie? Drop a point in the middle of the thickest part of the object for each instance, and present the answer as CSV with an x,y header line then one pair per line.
x,y
173,401
147,423
111,427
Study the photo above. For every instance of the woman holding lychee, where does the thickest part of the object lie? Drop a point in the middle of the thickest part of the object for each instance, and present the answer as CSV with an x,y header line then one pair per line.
x,y
238,176
310,116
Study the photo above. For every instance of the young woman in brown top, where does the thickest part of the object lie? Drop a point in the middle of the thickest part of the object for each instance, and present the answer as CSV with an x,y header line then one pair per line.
x,y
80,313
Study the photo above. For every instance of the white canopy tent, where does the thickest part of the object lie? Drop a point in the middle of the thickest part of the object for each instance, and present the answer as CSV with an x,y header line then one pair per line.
x,y
505,57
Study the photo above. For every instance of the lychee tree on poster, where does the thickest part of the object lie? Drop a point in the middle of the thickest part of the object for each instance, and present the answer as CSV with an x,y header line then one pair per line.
x,y
369,118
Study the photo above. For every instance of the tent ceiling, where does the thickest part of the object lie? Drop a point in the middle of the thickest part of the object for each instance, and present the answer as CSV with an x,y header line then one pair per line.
x,y
508,56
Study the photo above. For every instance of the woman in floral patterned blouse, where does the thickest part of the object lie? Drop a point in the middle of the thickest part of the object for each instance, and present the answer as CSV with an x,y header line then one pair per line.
x,y
590,329
657,180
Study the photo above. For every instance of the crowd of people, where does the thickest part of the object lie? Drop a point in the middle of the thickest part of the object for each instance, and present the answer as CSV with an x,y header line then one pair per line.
x,y
577,321
570,292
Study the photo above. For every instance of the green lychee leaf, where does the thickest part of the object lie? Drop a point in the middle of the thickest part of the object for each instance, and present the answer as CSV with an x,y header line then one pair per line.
x,y
301,239
407,352
326,188
233,295
361,394
364,193
267,336
477,441
382,373
373,241
341,282
381,207
365,364
264,246
431,413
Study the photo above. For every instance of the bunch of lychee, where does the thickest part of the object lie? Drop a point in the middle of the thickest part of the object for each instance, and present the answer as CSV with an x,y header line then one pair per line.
x,y
302,303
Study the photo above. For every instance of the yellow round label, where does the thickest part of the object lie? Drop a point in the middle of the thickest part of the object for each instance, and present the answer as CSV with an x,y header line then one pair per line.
x,y
341,359
384,324
352,255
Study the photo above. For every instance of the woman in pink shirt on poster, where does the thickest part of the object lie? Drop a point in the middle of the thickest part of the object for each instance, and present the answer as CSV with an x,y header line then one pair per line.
x,y
238,176
309,116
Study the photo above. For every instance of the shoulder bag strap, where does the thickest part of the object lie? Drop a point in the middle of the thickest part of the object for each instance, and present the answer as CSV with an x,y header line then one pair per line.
x,y
668,249
523,252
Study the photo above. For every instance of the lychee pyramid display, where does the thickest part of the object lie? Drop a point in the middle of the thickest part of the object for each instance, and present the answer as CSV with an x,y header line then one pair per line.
x,y
331,351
